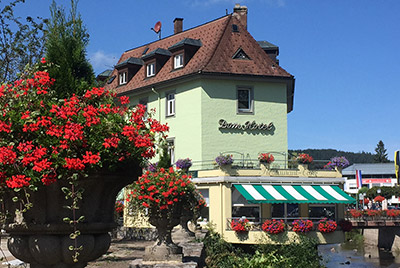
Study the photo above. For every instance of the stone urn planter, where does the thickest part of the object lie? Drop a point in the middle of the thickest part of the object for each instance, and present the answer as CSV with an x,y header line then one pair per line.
x,y
164,249
186,217
41,238
265,168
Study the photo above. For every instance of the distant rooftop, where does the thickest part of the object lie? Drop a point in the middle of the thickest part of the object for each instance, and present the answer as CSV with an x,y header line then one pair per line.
x,y
370,169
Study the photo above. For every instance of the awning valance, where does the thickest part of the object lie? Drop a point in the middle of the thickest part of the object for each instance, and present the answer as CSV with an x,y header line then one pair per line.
x,y
267,193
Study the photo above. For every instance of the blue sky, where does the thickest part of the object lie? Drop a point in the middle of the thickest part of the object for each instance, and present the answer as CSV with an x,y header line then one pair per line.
x,y
344,55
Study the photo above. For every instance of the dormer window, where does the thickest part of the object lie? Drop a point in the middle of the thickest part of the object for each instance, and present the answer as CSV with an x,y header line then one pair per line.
x,y
155,61
123,78
183,51
127,69
151,69
178,61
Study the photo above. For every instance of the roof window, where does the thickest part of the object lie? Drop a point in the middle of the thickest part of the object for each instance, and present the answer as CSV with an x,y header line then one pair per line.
x,y
240,55
187,47
127,69
155,60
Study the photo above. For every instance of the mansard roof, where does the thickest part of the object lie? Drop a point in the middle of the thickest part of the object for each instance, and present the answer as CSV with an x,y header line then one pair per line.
x,y
216,43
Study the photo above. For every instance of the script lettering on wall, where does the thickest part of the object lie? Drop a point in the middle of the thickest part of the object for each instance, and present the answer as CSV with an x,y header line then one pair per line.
x,y
246,126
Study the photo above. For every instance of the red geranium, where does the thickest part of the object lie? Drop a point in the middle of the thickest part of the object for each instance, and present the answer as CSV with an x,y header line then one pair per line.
x,y
327,226
302,226
356,213
273,226
241,225
304,158
162,190
266,158
393,213
43,138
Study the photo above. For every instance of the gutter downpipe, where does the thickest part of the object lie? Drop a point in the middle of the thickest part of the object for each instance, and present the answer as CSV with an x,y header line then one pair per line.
x,y
159,103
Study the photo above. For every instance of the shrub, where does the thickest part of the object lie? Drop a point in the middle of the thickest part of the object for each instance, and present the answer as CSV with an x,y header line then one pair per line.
x,y
345,225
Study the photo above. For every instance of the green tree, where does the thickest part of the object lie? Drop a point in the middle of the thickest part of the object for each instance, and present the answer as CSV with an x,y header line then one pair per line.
x,y
21,42
165,158
381,155
66,52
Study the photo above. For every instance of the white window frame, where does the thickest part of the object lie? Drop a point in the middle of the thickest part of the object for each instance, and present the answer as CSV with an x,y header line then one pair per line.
x,y
151,69
178,61
250,99
123,78
170,103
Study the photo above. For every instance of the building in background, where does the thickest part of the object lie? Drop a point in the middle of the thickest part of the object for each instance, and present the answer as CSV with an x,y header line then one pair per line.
x,y
218,89
222,92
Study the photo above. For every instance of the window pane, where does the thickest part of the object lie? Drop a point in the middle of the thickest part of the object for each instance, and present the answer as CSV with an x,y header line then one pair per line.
x,y
252,212
244,99
292,210
278,210
322,212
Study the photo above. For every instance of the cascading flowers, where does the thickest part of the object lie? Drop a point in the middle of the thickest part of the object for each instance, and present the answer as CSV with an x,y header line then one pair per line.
x,y
224,160
164,189
43,138
273,226
302,226
327,226
304,159
267,158
241,225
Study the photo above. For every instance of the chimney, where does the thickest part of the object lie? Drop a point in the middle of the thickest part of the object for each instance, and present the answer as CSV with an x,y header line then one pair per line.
x,y
178,25
240,12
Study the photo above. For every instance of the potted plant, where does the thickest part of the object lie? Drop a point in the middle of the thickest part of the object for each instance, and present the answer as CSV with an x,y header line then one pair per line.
x,y
266,159
241,225
273,226
356,213
76,153
302,226
304,160
164,194
337,163
327,226
184,164
224,160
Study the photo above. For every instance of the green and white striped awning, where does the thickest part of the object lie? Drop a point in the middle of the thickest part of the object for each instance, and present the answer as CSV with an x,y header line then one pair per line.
x,y
267,193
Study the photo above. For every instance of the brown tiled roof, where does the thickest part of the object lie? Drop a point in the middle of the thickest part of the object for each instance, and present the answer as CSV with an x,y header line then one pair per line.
x,y
219,44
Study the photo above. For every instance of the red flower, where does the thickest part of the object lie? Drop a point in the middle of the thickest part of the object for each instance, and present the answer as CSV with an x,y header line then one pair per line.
x,y
41,165
74,163
18,181
90,158
43,60
48,179
124,100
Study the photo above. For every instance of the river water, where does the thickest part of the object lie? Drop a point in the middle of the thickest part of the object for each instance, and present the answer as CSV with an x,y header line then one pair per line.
x,y
351,254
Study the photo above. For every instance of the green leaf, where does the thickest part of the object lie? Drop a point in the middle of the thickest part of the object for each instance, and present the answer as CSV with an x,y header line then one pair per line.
x,y
15,199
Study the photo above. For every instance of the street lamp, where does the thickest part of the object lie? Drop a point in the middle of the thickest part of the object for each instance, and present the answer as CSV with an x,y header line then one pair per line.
x,y
362,196
378,192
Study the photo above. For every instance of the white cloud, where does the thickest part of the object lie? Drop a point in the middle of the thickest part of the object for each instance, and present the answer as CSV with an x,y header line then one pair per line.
x,y
277,3
102,61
